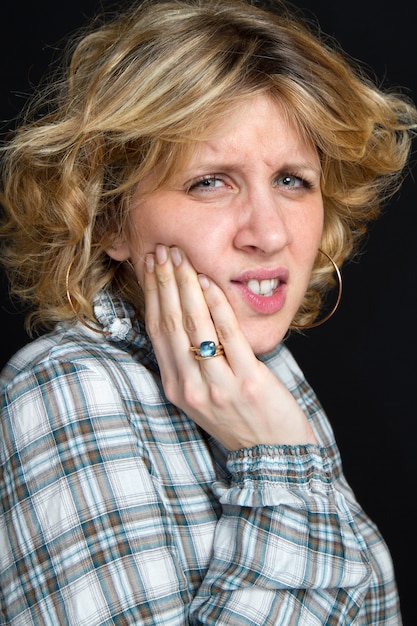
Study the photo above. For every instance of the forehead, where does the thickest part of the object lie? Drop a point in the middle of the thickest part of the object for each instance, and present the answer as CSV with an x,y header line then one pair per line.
x,y
259,128
238,135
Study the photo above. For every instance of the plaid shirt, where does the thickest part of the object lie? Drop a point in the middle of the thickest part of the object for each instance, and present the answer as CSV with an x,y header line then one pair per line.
x,y
116,509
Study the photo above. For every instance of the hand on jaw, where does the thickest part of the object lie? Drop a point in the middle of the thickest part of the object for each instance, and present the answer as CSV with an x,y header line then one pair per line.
x,y
234,397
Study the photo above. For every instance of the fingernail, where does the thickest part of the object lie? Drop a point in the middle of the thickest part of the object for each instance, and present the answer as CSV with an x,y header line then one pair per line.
x,y
161,254
176,256
150,263
204,281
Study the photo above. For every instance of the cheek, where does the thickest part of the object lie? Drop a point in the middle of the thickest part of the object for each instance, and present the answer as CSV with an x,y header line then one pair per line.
x,y
312,225
306,239
307,232
153,224
208,246
149,225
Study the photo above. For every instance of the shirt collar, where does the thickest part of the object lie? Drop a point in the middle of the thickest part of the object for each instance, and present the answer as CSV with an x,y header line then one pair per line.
x,y
119,321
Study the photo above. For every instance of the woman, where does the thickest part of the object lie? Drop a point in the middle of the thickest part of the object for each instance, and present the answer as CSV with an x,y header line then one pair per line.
x,y
178,205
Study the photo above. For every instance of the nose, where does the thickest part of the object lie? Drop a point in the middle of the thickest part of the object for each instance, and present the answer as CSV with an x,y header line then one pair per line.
x,y
262,226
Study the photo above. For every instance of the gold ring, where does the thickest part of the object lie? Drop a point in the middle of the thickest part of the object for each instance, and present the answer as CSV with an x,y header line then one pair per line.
x,y
207,350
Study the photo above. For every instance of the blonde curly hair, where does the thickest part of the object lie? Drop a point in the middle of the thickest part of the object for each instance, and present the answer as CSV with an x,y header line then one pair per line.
x,y
140,90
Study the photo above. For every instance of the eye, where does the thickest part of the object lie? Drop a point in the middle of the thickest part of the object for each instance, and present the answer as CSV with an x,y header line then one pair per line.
x,y
291,180
206,182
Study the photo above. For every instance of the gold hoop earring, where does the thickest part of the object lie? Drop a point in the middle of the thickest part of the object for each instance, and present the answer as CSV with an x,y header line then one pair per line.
x,y
339,296
71,303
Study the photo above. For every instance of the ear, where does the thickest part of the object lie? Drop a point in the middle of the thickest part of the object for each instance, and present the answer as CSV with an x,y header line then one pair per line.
x,y
119,250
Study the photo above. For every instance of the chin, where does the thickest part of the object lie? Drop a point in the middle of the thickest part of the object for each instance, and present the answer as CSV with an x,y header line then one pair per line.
x,y
265,334
264,349
265,344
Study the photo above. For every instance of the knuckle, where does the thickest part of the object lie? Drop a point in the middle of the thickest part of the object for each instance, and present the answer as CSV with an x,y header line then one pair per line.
x,y
249,390
171,389
192,396
184,279
152,328
225,332
163,279
190,323
219,397
170,324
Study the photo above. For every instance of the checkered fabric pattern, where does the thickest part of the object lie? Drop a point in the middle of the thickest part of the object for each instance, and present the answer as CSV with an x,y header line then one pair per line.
x,y
116,509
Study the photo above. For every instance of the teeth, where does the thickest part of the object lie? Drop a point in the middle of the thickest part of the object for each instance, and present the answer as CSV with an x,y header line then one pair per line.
x,y
263,287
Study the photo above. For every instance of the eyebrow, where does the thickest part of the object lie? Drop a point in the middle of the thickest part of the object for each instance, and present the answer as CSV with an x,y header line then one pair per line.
x,y
225,166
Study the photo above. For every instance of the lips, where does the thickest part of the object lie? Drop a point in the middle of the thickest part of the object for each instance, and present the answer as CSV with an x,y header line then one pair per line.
x,y
264,290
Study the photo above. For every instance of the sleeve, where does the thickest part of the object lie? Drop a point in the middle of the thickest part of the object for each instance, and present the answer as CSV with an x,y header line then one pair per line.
x,y
83,536
286,549
85,540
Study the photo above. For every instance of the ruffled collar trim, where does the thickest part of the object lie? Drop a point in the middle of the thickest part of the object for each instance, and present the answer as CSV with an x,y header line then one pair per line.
x,y
118,321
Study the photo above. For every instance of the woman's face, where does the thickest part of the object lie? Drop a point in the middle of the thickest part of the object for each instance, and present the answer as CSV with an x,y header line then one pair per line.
x,y
248,212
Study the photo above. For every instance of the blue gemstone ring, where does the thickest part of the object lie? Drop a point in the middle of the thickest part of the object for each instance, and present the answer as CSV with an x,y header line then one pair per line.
x,y
207,350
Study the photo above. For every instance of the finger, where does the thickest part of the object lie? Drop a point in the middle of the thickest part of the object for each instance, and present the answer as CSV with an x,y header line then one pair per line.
x,y
153,316
196,315
239,353
197,319
168,296
174,313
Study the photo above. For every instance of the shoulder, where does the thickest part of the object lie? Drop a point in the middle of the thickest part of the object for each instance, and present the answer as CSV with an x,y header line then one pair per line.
x,y
70,359
68,386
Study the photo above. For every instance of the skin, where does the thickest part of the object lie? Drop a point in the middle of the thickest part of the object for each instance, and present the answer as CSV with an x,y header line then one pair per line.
x,y
247,207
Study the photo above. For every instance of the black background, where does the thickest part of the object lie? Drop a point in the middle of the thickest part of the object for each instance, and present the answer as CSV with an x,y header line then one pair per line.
x,y
361,362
